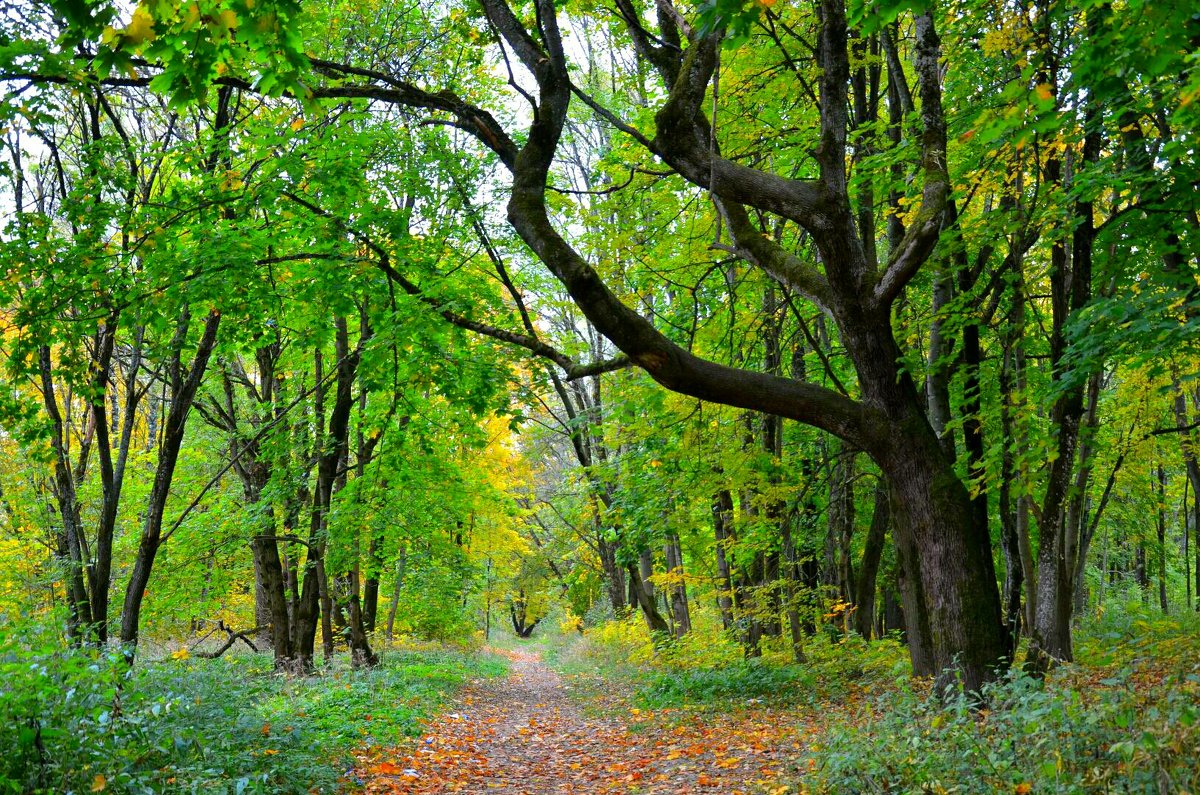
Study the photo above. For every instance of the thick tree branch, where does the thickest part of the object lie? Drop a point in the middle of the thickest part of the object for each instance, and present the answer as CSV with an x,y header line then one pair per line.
x,y
682,140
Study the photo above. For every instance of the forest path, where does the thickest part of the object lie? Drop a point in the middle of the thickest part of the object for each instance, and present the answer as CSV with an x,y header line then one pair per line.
x,y
525,734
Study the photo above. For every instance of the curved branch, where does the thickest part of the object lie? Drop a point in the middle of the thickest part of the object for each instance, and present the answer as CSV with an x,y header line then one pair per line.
x,y
681,139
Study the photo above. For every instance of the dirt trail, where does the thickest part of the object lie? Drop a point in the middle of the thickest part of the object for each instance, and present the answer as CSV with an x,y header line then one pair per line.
x,y
525,734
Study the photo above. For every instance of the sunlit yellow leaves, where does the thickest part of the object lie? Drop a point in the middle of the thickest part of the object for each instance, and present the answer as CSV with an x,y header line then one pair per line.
x,y
181,654
995,42
140,30
99,783
232,181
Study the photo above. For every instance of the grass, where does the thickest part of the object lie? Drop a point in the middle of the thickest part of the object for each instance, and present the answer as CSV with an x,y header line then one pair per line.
x,y
81,723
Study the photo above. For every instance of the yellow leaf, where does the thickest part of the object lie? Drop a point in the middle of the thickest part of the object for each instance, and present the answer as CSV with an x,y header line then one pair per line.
x,y
141,28
228,19
1043,92
297,124
99,783
182,654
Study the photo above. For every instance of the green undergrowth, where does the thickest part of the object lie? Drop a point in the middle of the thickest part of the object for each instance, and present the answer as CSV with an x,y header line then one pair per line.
x,y
1124,719
708,670
77,722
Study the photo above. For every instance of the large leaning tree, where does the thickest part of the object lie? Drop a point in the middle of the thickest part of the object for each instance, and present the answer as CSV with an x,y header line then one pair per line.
x,y
810,226
953,605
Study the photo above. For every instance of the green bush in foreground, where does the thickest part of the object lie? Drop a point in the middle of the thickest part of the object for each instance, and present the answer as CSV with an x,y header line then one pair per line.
x,y
75,722
1125,720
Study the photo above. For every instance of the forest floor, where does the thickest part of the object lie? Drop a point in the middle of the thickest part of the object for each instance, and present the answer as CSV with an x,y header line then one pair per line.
x,y
535,732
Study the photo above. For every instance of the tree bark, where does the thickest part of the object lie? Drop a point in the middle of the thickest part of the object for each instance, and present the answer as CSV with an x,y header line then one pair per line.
x,y
722,512
183,383
1161,515
677,587
1071,290
872,553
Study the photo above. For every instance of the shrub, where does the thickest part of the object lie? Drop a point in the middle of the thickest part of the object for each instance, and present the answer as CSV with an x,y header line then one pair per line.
x,y
1131,730
79,721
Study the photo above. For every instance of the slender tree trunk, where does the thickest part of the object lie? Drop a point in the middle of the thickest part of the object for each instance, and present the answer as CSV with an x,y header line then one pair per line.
x,y
864,617
1162,538
677,586
396,589
791,595
183,391
315,601
68,543
370,609
1071,290
841,524
1140,574
1009,538
722,511
937,382
645,600
1186,514
1196,546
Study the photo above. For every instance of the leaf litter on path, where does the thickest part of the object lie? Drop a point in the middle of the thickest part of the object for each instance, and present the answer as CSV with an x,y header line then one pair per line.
x,y
525,735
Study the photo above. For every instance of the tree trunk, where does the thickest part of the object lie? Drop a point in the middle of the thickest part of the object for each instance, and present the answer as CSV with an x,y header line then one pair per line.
x,y
838,575
872,553
399,586
614,575
1140,574
646,571
315,601
370,611
937,382
1185,513
1071,290
67,540
645,600
1162,538
791,582
183,385
677,588
722,512
361,655
269,571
